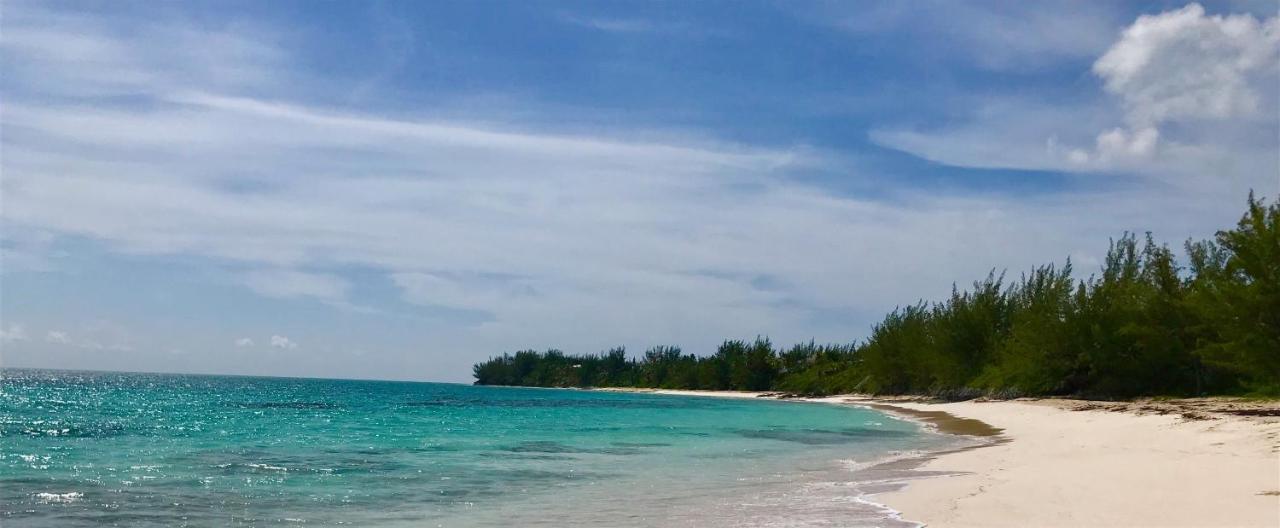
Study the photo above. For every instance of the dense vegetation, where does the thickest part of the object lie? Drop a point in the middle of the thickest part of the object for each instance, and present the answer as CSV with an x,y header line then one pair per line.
x,y
1144,326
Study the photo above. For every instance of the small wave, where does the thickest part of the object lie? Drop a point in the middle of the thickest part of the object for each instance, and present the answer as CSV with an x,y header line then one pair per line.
x,y
59,498
893,456
892,514
287,405
267,467
52,401
43,428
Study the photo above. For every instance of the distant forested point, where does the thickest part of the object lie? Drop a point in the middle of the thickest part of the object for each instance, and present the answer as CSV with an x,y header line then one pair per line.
x,y
1145,326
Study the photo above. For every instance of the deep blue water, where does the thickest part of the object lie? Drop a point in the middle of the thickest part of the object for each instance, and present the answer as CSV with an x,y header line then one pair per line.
x,y
96,448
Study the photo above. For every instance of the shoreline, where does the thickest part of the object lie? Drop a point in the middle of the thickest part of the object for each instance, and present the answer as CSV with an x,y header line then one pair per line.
x,y
1060,462
1073,463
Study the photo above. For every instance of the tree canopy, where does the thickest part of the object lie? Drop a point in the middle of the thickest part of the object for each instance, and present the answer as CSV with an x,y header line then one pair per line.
x,y
1144,325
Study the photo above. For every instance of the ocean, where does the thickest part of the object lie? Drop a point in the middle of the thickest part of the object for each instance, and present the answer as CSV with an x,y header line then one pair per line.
x,y
102,448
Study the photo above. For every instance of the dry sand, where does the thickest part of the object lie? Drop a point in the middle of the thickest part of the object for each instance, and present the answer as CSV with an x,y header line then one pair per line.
x,y
1069,463
1099,467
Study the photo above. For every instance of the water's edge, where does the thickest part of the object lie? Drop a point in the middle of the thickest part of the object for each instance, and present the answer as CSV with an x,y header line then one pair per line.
x,y
90,449
895,471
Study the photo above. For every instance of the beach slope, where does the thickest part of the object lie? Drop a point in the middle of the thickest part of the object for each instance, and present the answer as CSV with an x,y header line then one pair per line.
x,y
1072,463
1211,462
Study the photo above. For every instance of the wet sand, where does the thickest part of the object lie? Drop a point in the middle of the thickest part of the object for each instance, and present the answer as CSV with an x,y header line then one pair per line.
x,y
942,421
1207,462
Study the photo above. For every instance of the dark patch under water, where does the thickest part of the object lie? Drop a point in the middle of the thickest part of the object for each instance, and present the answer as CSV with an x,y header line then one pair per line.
x,y
546,446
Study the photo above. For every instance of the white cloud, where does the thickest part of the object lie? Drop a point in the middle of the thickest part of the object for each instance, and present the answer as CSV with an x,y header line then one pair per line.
x,y
467,292
289,283
57,337
15,332
640,26
76,54
1003,133
613,25
581,241
1184,65
90,344
1119,143
99,335
244,342
1198,98
998,36
283,342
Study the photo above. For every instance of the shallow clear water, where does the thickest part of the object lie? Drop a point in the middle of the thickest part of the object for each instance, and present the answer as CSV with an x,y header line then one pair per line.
x,y
86,448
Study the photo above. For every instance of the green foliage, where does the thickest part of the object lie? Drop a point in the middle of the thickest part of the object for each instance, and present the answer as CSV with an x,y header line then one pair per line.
x,y
1036,355
1234,298
1144,326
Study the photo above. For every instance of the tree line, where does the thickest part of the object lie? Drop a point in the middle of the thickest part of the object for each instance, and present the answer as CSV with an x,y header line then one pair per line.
x,y
1145,324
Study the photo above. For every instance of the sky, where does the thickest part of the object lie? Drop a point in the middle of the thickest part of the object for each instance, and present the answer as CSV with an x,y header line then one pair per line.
x,y
397,190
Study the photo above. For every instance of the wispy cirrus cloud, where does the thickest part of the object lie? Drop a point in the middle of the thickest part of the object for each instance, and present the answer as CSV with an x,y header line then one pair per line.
x,y
618,25
290,283
639,25
998,36
523,236
78,54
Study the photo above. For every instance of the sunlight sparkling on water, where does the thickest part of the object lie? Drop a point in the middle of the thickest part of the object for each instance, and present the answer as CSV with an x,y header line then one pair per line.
x,y
86,448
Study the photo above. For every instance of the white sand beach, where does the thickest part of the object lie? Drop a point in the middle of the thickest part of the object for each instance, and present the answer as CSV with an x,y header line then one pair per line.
x,y
1070,463
1100,468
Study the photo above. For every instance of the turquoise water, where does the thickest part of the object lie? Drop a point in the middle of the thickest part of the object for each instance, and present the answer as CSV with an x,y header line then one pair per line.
x,y
93,448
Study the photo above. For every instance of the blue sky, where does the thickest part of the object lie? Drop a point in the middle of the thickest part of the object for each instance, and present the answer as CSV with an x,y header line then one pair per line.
x,y
400,189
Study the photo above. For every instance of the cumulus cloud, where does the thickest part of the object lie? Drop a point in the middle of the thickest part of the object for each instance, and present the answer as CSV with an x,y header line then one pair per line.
x,y
1197,97
244,342
14,332
282,342
1119,143
1183,65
